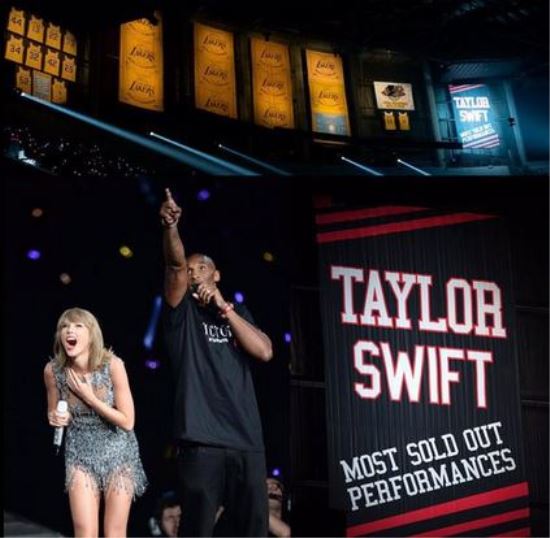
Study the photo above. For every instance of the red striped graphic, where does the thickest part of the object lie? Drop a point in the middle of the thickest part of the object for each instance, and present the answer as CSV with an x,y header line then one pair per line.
x,y
525,531
437,510
463,87
475,524
399,227
373,212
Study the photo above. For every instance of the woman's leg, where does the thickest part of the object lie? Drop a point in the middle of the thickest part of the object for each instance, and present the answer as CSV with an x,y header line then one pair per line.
x,y
84,501
118,501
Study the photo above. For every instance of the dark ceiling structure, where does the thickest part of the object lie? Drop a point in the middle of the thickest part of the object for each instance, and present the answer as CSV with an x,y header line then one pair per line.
x,y
440,29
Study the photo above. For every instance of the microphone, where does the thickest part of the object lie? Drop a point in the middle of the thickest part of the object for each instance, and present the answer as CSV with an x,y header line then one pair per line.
x,y
209,306
62,407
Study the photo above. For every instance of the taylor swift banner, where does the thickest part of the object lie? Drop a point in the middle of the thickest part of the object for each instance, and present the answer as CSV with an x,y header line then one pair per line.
x,y
423,409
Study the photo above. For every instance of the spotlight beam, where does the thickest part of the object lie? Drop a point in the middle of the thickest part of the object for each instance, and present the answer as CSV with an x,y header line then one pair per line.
x,y
414,168
198,162
362,167
234,168
263,164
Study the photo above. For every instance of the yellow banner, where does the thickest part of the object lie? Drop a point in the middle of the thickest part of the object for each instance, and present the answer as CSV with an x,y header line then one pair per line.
x,y
42,85
59,91
272,84
36,29
141,64
16,21
53,36
68,68
389,121
23,79
34,55
52,62
404,123
329,108
215,86
15,49
69,43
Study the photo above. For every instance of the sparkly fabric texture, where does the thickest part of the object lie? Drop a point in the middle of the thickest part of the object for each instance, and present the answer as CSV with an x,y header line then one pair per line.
x,y
107,455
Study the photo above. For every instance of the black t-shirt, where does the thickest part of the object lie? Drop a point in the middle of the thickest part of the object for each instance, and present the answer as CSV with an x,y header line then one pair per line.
x,y
215,398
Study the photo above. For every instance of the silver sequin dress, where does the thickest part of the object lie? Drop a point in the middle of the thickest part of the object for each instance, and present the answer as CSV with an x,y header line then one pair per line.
x,y
107,454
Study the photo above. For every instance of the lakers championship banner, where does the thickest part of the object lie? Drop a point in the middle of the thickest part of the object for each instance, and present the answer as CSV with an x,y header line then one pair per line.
x,y
141,65
272,84
393,96
423,408
327,91
215,84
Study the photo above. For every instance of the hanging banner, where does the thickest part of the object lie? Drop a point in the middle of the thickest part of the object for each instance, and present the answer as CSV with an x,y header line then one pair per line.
x,y
329,108
23,79
53,36
42,85
389,121
34,55
69,43
16,21
423,407
272,84
141,64
215,83
59,91
36,29
15,49
68,68
404,122
393,96
52,62
476,124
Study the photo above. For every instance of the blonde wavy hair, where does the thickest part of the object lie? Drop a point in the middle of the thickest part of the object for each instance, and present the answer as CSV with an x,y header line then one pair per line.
x,y
99,354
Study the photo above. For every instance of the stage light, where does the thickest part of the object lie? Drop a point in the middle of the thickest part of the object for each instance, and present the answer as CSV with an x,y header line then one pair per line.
x,y
37,212
125,251
192,158
276,471
288,338
239,297
150,333
65,278
268,257
361,166
412,167
203,195
33,254
229,167
263,164
152,364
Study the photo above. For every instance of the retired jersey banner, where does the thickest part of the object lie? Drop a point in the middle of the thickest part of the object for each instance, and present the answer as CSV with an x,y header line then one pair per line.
x,y
141,64
215,84
272,84
327,91
423,408
393,96
16,21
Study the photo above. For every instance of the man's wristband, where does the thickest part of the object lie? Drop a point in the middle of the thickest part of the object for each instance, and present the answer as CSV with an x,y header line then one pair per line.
x,y
226,309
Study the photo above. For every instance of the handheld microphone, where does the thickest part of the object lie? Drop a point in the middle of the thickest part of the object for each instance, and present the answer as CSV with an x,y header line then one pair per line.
x,y
62,407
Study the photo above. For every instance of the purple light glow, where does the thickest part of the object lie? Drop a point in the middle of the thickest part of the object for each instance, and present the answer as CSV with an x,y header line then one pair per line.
x,y
239,297
152,364
33,254
288,338
276,472
203,195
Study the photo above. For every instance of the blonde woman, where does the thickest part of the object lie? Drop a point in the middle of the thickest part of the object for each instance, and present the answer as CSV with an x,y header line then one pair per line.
x,y
101,450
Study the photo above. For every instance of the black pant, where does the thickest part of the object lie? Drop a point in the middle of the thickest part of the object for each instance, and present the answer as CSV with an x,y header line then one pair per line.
x,y
210,477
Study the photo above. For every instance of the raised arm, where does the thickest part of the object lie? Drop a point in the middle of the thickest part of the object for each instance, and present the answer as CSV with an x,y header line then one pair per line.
x,y
175,276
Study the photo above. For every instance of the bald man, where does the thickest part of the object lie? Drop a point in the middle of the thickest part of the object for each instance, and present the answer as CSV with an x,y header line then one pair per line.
x,y
211,342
